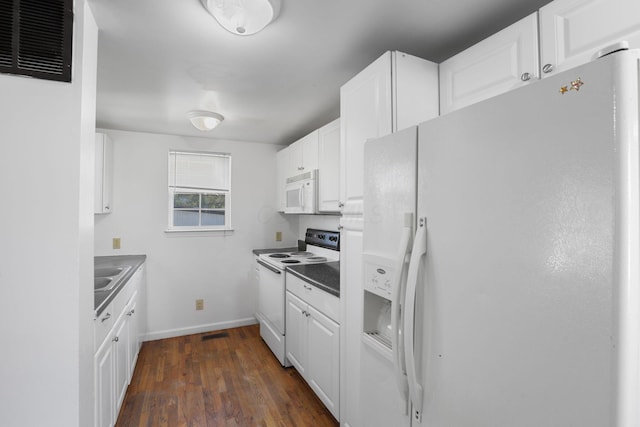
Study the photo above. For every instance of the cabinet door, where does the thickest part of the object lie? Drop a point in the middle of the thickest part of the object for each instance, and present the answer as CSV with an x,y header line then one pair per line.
x,y
329,167
103,173
366,112
573,31
134,341
502,62
296,344
351,319
121,360
104,386
323,363
294,160
309,151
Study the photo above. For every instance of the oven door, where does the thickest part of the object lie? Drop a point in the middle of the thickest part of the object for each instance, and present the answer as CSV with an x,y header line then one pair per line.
x,y
271,288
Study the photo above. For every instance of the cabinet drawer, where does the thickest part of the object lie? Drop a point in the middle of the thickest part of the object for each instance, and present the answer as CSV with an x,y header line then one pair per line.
x,y
322,301
102,325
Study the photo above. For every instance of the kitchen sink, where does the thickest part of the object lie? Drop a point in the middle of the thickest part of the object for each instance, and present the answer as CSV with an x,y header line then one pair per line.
x,y
102,283
107,271
106,278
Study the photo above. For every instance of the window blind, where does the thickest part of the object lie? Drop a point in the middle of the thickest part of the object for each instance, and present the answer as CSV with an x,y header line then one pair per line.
x,y
201,171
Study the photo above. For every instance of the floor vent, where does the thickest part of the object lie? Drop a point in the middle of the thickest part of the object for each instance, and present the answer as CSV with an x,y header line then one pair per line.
x,y
215,336
36,38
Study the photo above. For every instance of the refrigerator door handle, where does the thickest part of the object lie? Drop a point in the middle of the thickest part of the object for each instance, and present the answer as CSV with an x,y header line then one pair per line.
x,y
419,250
396,310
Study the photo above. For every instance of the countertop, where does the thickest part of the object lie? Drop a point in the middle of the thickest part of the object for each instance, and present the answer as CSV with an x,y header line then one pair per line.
x,y
102,299
325,276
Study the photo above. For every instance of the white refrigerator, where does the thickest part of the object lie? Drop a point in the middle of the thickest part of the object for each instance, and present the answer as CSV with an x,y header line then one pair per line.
x,y
501,260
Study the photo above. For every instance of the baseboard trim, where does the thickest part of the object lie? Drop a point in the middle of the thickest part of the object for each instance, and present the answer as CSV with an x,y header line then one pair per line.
x,y
211,327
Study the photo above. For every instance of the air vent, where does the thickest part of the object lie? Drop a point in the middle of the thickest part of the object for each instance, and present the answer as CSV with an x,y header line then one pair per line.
x,y
36,38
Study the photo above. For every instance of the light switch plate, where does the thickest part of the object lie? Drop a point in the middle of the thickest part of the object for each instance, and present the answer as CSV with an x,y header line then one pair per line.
x,y
116,243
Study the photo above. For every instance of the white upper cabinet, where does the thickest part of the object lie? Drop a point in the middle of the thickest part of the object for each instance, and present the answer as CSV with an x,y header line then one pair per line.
x,y
499,63
395,91
573,31
103,174
303,155
329,167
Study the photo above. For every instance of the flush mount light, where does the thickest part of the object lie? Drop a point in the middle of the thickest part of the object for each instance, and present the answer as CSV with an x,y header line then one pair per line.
x,y
204,120
243,17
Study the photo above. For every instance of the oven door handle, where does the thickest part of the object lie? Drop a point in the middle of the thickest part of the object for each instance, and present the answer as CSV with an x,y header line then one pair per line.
x,y
269,267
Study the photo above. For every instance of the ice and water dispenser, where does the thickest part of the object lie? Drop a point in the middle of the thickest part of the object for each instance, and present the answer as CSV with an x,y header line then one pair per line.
x,y
379,276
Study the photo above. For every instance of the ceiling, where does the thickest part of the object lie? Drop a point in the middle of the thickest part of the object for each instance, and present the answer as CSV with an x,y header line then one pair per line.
x,y
159,59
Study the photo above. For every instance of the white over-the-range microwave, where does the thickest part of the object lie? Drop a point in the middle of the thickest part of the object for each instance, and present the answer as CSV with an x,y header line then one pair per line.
x,y
301,193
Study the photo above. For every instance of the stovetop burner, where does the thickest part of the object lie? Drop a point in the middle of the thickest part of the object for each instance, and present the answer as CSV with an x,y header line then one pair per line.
x,y
301,254
279,256
290,261
317,259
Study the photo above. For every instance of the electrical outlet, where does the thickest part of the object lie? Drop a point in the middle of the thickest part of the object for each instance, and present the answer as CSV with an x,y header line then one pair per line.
x,y
199,304
116,243
278,236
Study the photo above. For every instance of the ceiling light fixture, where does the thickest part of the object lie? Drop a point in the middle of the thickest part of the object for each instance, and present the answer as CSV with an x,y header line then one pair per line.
x,y
243,17
204,120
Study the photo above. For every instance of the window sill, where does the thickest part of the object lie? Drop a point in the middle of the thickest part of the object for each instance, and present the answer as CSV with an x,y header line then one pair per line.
x,y
200,231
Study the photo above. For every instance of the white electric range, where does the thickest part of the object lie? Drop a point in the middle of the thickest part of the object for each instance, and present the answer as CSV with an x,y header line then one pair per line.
x,y
321,246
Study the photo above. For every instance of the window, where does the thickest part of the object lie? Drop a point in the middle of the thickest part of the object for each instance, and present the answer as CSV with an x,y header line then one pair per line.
x,y
199,191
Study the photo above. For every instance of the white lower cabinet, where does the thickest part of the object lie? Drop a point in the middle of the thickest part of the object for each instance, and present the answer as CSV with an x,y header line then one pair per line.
x,y
313,344
323,359
104,386
117,352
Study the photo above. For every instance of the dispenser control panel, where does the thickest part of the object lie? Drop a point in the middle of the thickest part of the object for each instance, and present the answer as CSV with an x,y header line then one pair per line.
x,y
378,275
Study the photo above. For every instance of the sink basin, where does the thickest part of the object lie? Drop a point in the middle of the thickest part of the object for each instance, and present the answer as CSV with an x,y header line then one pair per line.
x,y
107,278
102,283
107,271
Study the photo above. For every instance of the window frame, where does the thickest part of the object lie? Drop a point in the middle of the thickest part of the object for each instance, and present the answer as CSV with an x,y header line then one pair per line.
x,y
174,189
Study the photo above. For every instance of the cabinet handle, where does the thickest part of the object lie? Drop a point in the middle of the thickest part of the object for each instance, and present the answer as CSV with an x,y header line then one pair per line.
x,y
340,227
340,205
106,317
307,314
309,288
116,339
131,312
304,312
525,77
547,68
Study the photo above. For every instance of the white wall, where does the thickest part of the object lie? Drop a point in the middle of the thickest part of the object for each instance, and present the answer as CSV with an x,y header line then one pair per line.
x,y
46,262
321,222
183,267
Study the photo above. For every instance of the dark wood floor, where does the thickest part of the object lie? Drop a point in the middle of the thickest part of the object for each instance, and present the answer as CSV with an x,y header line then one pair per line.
x,y
229,378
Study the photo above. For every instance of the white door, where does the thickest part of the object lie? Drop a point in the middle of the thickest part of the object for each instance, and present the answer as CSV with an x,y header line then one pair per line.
x,y
271,295
104,394
329,167
520,206
323,359
296,343
121,355
499,63
350,320
389,208
573,31
365,112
